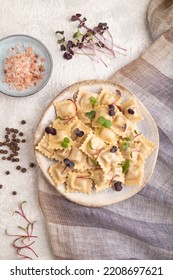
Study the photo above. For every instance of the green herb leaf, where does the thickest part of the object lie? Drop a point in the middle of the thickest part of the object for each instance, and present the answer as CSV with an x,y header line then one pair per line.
x,y
127,139
64,145
107,123
66,140
91,114
93,101
101,120
125,165
125,146
61,41
131,155
135,131
60,32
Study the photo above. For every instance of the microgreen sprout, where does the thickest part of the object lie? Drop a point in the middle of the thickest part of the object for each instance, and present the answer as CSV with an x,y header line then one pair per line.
x,y
22,240
91,42
104,122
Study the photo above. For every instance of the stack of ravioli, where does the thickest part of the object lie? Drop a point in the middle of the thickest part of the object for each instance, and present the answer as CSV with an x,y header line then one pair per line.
x,y
96,168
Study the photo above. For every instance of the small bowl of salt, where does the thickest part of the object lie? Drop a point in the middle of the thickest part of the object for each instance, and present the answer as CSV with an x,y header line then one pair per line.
x,y
26,65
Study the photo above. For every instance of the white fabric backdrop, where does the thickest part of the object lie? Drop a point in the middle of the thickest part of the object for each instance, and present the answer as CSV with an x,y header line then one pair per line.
x,y
41,18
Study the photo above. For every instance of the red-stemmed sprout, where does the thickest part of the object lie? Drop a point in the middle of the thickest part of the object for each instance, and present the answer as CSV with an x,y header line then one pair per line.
x,y
89,41
22,241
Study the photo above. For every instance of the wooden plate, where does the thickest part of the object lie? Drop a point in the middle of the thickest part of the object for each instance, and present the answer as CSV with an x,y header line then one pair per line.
x,y
109,196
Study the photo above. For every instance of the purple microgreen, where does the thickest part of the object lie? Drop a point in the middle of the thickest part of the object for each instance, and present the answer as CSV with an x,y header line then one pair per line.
x,y
92,42
62,48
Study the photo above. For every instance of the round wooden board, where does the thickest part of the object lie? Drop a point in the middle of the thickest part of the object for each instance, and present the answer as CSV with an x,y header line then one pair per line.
x,y
109,196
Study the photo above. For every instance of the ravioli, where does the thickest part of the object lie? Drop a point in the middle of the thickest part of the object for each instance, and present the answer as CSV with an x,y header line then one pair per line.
x,y
95,142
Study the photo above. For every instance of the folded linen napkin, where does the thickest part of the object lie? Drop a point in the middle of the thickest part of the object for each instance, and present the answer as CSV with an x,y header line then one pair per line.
x,y
160,17
142,226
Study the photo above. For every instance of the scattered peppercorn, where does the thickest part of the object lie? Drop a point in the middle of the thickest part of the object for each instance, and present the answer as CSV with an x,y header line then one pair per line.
x,y
18,167
23,170
32,165
14,192
23,122
23,141
21,134
1,186
7,172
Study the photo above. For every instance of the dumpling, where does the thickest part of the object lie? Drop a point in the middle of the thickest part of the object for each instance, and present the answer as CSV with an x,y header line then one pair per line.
x,y
107,135
60,154
146,147
78,157
58,172
99,179
107,158
122,126
43,146
81,114
92,146
79,182
115,174
84,99
106,97
65,110
77,124
134,174
101,111
119,124
91,164
62,131
131,111
129,150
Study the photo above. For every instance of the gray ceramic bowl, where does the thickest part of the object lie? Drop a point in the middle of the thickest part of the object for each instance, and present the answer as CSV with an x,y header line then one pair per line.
x,y
27,41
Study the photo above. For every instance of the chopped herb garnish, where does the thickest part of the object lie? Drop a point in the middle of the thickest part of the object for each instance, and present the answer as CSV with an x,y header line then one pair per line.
x,y
104,122
90,114
125,165
135,131
131,155
93,101
125,146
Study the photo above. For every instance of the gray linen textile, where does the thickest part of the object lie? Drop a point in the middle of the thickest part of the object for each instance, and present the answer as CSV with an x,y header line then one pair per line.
x,y
140,227
160,17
